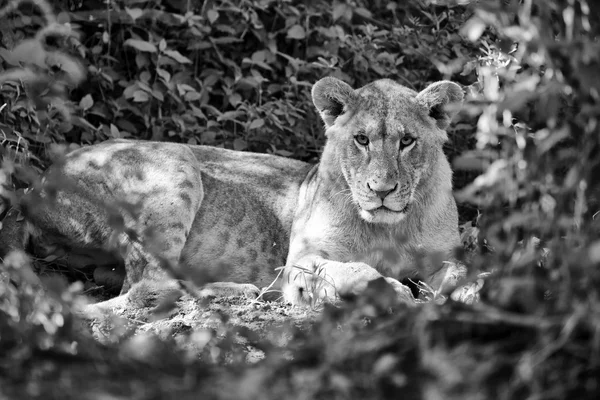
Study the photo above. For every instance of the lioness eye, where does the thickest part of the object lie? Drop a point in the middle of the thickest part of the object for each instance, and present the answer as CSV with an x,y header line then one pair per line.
x,y
363,140
406,141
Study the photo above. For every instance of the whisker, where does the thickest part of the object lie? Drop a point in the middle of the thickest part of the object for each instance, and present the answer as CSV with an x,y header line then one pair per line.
x,y
341,192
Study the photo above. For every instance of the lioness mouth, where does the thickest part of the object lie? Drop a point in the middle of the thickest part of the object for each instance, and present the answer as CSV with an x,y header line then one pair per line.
x,y
384,208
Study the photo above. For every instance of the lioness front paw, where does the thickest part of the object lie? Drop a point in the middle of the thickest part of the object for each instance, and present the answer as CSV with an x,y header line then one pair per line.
x,y
318,279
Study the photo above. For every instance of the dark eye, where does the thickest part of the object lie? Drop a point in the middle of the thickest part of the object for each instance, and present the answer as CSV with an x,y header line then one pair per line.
x,y
363,140
406,141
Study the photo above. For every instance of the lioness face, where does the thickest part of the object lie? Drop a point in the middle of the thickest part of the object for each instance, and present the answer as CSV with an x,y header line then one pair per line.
x,y
384,139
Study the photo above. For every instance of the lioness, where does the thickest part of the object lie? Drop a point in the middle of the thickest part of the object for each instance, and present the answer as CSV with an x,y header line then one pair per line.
x,y
383,184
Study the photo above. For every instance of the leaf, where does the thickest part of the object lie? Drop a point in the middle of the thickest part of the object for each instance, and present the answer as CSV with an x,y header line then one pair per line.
x,y
473,29
212,16
235,99
363,12
141,45
230,115
175,55
240,144
144,86
184,87
201,45
339,10
284,153
594,251
264,66
197,112
134,13
162,45
163,74
226,40
114,131
208,136
140,96
296,32
258,56
130,90
192,96
158,95
86,102
248,82
257,123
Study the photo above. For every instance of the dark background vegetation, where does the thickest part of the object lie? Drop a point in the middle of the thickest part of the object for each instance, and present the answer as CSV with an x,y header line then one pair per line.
x,y
238,74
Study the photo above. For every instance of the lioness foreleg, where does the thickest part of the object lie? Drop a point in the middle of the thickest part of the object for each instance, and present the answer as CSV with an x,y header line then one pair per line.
x,y
316,278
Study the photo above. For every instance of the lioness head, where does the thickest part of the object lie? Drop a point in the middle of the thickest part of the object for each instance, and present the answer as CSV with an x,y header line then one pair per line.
x,y
383,139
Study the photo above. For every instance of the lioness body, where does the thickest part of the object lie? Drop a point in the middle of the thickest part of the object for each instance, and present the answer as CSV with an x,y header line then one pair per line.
x,y
379,199
220,210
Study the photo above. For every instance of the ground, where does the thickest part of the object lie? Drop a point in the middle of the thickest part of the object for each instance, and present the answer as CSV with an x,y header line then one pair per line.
x,y
194,323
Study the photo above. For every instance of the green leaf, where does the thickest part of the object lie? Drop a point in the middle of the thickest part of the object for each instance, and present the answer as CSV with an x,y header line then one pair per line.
x,y
86,102
141,45
175,55
296,32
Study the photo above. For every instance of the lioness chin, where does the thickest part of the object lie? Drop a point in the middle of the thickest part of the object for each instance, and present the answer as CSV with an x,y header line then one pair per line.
x,y
383,183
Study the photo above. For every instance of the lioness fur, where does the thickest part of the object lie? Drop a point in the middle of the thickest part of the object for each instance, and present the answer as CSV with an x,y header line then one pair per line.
x,y
383,186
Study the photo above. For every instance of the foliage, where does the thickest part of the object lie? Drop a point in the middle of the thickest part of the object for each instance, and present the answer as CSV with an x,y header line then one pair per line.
x,y
234,74
238,74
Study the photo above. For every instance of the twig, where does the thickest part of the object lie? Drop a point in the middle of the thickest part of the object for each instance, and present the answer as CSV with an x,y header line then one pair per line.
x,y
486,315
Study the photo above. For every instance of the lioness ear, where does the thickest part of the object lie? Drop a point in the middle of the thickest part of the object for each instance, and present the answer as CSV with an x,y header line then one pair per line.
x,y
437,96
332,98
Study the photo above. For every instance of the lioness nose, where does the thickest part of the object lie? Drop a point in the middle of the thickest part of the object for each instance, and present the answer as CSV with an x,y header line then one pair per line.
x,y
382,192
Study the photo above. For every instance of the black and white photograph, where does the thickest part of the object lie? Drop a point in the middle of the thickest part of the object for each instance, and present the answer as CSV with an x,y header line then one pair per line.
x,y
299,199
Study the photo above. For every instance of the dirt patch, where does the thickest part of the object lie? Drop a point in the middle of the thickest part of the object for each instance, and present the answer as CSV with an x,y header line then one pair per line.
x,y
233,324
